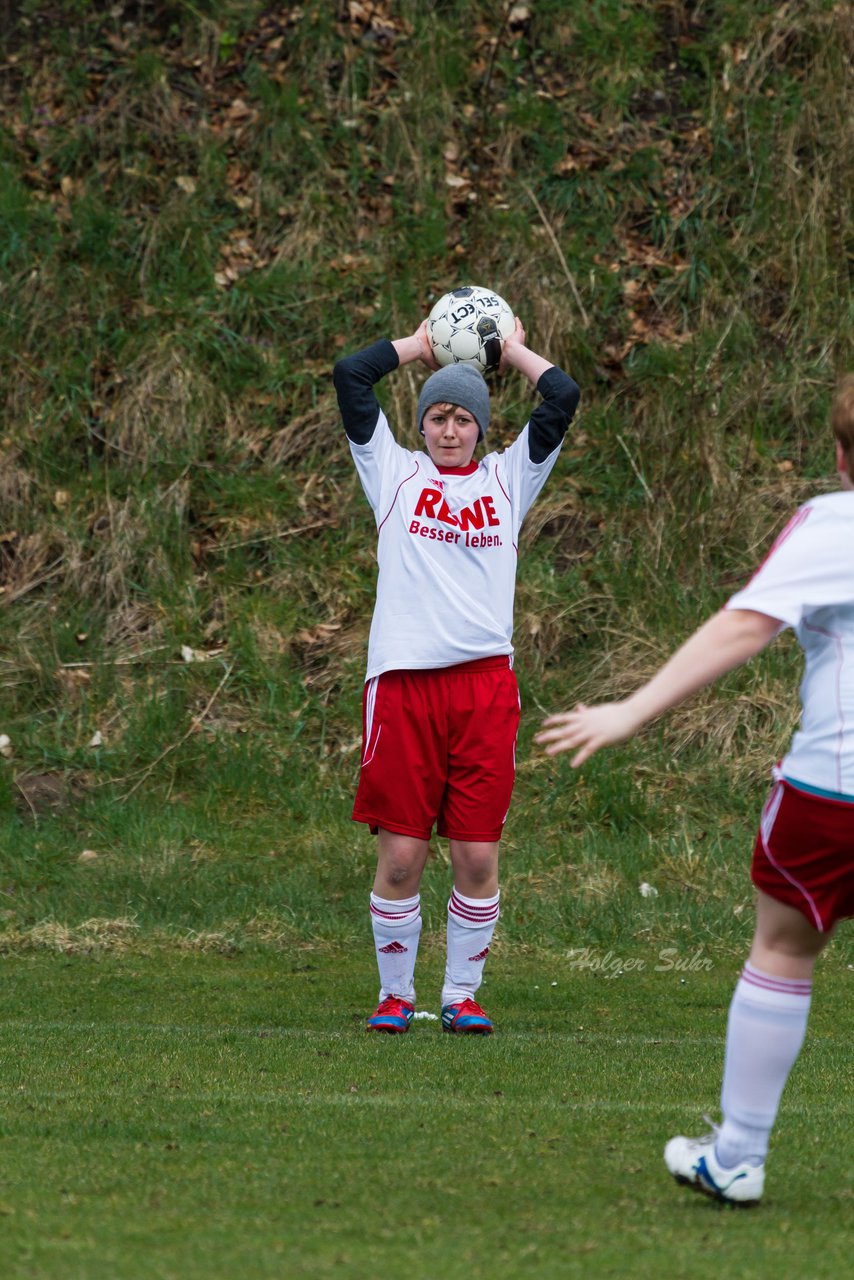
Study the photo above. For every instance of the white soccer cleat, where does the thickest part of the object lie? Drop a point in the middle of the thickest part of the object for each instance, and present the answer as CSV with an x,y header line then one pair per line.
x,y
692,1162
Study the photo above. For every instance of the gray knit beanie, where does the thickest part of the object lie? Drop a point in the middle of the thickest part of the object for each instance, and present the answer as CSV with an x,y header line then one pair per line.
x,y
460,384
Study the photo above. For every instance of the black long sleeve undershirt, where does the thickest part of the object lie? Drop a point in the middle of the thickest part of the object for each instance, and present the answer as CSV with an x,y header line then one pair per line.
x,y
355,377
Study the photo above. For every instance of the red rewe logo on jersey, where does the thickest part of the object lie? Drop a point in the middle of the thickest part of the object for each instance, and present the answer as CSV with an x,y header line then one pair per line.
x,y
482,511
393,949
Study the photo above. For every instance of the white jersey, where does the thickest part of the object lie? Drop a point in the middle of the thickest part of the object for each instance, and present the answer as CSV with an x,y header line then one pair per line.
x,y
807,581
447,549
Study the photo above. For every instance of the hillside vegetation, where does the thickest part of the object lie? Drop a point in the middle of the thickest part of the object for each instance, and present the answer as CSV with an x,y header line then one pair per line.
x,y
201,206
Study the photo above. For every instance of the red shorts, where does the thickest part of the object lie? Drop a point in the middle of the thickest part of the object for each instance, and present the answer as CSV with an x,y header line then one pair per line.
x,y
439,746
804,854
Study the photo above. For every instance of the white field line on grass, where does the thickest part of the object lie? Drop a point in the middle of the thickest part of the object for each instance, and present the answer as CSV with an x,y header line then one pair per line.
x,y
265,1032
345,1098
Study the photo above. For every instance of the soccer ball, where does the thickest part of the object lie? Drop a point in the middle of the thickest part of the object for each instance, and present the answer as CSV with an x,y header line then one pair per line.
x,y
469,325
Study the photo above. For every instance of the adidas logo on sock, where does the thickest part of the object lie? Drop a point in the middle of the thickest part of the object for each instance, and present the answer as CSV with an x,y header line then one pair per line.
x,y
394,949
481,955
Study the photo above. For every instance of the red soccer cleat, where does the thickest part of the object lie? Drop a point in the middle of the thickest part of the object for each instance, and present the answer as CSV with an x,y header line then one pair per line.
x,y
392,1016
466,1018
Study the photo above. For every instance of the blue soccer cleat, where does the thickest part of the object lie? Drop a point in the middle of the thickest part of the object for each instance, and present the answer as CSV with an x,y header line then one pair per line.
x,y
466,1018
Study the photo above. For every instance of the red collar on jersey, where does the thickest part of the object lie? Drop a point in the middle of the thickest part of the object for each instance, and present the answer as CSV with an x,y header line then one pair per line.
x,y
458,471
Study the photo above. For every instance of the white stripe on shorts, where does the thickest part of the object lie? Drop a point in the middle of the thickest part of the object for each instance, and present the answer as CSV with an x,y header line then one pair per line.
x,y
370,706
766,826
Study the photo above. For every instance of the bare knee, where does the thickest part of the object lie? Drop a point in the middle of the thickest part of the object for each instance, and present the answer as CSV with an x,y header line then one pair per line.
x,y
399,872
475,867
785,943
478,872
400,862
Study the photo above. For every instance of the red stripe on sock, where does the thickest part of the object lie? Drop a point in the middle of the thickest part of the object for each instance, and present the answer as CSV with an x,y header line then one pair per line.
x,y
392,915
465,911
767,982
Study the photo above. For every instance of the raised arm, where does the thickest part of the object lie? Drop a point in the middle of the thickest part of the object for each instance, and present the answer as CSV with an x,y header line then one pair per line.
x,y
356,376
728,640
416,347
560,394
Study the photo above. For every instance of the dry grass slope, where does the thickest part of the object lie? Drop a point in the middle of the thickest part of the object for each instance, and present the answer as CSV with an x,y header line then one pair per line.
x,y
201,206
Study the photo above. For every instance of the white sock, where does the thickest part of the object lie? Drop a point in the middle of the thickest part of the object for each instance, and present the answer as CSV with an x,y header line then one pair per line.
x,y
765,1031
397,928
471,922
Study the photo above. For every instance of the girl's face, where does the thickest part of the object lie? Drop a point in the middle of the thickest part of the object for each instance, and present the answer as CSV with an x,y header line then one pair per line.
x,y
450,434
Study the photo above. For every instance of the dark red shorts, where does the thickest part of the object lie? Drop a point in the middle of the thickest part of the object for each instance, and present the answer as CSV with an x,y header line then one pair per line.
x,y
439,747
804,854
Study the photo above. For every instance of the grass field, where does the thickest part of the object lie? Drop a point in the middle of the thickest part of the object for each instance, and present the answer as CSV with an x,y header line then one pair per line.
x,y
209,1116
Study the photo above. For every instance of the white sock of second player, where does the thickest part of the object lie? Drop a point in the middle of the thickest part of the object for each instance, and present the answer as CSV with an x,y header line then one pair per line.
x,y
765,1031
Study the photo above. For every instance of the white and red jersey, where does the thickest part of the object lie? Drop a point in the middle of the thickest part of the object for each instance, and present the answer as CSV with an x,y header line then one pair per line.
x,y
447,549
807,582
447,537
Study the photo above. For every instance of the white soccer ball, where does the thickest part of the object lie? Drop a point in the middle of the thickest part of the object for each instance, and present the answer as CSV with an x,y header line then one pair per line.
x,y
469,325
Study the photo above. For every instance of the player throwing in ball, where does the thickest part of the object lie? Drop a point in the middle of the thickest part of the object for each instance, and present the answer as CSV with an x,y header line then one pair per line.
x,y
441,703
803,860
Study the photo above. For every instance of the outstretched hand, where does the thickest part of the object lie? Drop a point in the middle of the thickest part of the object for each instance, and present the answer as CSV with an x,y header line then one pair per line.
x,y
588,729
